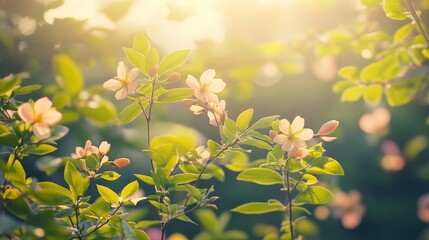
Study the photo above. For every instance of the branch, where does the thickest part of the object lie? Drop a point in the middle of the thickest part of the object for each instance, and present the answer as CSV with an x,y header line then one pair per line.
x,y
417,20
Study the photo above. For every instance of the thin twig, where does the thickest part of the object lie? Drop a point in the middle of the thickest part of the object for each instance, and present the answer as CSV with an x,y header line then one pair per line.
x,y
418,21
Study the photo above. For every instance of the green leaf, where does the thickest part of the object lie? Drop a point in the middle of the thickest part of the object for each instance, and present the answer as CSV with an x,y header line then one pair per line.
x,y
403,32
262,176
129,113
50,197
137,59
175,95
324,165
183,178
173,61
92,162
110,175
98,112
141,44
370,3
208,221
74,180
314,195
373,93
244,119
256,143
127,231
41,149
293,165
26,89
340,86
152,59
7,138
67,74
394,9
129,190
258,208
61,99
57,188
349,72
404,91
58,132
264,122
107,194
8,83
352,94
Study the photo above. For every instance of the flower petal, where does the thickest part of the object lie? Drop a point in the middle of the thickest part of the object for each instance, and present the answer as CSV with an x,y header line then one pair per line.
x,y
42,105
192,82
298,152
133,74
41,130
121,94
287,146
284,125
280,139
51,117
132,86
207,76
122,70
297,124
217,85
213,120
211,97
305,134
25,112
112,85
328,139
197,110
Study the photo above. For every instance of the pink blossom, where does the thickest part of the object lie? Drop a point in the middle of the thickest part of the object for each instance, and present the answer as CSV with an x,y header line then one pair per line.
x,y
205,89
124,83
40,115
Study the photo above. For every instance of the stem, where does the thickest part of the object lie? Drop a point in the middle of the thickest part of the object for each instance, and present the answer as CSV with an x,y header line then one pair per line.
x,y
417,20
289,199
98,225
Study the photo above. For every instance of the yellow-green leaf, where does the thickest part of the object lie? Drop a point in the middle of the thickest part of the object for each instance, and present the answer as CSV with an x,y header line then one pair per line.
x,y
244,119
262,176
173,61
314,195
373,93
258,208
67,74
108,194
129,190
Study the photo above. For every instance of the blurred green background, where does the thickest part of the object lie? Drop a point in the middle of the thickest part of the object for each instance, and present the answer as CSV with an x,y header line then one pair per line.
x,y
277,56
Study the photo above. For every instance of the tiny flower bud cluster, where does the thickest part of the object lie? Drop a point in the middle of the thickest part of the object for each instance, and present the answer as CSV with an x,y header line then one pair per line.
x,y
100,152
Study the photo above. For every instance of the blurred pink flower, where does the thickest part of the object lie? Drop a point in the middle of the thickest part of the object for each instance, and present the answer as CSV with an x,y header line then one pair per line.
x,y
124,83
349,208
205,89
203,154
376,122
40,115
293,135
423,208
81,153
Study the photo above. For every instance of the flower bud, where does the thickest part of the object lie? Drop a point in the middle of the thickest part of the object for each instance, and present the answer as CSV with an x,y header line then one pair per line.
x,y
121,162
328,128
272,134
187,101
153,71
173,77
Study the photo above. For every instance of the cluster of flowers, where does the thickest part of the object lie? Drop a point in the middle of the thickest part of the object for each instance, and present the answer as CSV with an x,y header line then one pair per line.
x,y
206,100
101,153
293,136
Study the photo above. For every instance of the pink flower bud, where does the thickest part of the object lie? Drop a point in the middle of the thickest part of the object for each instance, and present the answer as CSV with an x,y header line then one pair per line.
x,y
153,71
104,148
328,128
272,134
173,77
187,102
121,162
